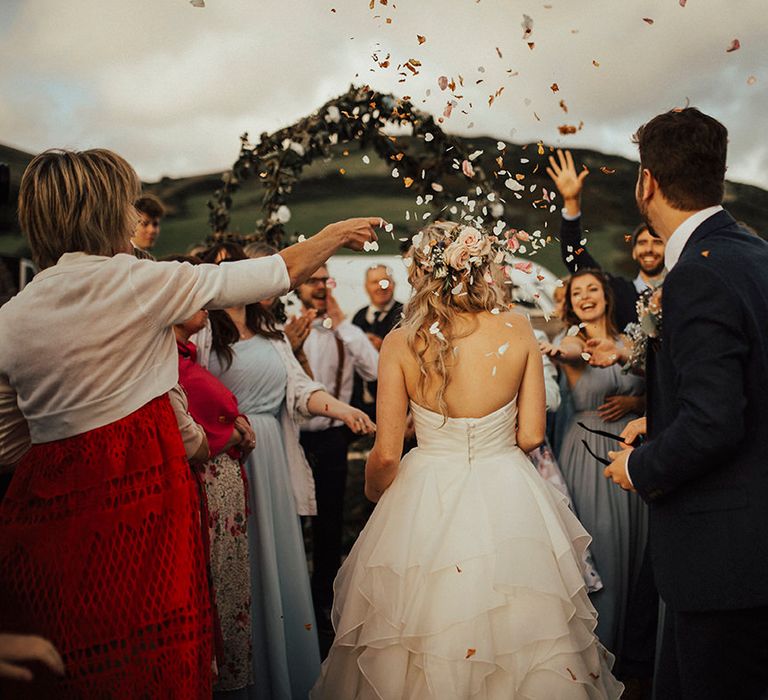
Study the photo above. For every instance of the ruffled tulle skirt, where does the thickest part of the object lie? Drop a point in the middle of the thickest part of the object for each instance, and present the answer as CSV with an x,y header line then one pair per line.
x,y
466,583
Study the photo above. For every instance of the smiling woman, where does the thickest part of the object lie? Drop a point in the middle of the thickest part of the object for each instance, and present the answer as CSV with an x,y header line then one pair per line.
x,y
604,400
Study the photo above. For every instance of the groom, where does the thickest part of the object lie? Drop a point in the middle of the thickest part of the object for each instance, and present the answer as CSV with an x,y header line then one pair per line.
x,y
704,469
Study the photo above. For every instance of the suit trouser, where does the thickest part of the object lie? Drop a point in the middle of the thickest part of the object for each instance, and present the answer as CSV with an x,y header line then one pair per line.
x,y
713,655
639,644
327,454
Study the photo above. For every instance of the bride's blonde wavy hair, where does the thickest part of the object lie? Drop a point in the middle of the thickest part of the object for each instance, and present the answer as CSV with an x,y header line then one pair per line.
x,y
440,293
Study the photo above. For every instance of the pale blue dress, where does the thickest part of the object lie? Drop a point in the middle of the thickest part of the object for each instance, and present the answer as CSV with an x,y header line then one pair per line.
x,y
616,519
286,655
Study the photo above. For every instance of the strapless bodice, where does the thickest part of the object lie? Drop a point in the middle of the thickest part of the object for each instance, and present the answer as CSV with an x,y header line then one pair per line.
x,y
470,438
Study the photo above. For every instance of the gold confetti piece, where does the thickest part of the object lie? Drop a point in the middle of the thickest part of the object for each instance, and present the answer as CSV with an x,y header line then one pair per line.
x,y
407,181
564,106
308,626
647,20
457,566
734,46
470,653
596,64
566,129
751,80
342,171
704,253
607,171
498,51
421,39
554,87
573,677
531,45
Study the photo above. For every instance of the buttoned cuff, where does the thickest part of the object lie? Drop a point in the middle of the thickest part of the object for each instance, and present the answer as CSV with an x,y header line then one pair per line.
x,y
569,217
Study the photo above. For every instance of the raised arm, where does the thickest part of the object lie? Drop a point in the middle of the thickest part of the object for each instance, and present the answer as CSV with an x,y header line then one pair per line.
x,y
531,404
302,259
569,184
391,411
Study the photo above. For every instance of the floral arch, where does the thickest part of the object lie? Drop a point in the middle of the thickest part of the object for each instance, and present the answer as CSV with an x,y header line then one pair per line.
x,y
432,165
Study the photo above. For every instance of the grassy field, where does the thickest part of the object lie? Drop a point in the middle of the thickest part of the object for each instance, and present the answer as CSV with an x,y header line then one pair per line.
x,y
323,195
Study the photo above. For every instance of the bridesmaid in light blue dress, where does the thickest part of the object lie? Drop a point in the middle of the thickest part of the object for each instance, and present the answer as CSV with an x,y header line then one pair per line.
x,y
286,656
246,349
616,519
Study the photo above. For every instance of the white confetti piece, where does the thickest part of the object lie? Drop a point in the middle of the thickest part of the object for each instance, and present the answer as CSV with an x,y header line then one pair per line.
x,y
384,284
501,145
586,356
428,137
503,348
327,323
572,331
395,172
512,184
370,245
366,160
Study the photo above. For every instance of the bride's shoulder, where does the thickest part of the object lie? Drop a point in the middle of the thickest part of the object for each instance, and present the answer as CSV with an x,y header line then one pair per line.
x,y
394,341
514,320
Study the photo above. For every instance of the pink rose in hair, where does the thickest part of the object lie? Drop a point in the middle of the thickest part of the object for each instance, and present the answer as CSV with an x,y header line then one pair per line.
x,y
512,244
457,256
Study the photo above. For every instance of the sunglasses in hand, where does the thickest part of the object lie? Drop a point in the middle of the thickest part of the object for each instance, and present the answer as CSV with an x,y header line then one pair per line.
x,y
635,443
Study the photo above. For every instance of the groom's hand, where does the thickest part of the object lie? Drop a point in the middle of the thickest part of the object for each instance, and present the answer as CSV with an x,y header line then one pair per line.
x,y
617,469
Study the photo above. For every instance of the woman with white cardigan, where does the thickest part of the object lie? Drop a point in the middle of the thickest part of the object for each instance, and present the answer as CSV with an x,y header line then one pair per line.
x,y
253,358
100,547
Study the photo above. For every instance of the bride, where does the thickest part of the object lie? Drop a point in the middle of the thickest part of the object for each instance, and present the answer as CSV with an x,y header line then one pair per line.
x,y
466,582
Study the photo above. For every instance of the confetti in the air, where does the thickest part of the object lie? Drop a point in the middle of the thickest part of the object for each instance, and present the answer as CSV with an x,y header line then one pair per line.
x,y
527,25
734,46
421,39
647,20
470,653
607,171
327,323
197,3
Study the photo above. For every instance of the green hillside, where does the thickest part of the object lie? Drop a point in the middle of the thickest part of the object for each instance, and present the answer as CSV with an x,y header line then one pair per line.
x,y
324,195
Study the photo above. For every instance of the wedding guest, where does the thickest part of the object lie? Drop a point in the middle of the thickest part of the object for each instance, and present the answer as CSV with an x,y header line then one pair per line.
x,y
377,319
336,349
703,470
230,439
150,210
296,328
617,520
100,468
647,247
255,361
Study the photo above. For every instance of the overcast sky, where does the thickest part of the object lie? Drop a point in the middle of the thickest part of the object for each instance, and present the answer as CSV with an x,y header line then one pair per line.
x,y
171,87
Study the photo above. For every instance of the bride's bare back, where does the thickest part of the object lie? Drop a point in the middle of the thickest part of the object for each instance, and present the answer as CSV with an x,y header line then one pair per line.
x,y
496,362
487,368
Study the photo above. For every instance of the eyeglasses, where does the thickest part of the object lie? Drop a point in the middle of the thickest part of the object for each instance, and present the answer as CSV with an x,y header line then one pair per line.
x,y
610,436
314,281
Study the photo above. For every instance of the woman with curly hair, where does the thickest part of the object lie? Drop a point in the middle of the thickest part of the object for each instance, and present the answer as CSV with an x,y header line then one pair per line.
x,y
466,582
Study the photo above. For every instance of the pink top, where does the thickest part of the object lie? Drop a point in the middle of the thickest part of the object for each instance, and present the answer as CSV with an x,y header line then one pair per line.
x,y
211,404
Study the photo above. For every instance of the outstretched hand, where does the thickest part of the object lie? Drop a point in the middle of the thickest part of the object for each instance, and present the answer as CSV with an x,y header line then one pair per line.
x,y
358,231
569,183
603,352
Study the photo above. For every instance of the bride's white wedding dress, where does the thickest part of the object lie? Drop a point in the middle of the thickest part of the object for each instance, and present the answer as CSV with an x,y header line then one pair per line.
x,y
466,582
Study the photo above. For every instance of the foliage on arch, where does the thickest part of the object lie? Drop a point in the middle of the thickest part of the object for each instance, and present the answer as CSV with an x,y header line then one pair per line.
x,y
440,169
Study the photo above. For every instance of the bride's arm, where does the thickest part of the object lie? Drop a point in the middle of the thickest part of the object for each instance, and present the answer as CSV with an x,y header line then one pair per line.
x,y
391,411
531,404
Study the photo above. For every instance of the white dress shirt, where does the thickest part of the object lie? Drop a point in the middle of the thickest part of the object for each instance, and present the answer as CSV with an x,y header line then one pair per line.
x,y
674,250
90,339
322,352
683,232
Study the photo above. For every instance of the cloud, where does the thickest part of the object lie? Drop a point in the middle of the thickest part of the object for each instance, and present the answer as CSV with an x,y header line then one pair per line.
x,y
172,87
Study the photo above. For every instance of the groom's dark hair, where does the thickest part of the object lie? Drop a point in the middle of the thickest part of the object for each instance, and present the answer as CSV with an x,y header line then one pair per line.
x,y
685,151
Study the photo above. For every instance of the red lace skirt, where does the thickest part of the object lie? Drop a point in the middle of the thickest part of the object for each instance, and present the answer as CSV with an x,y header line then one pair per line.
x,y
101,552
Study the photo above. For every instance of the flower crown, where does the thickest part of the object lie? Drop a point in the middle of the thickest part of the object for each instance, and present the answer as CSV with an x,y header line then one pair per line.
x,y
463,249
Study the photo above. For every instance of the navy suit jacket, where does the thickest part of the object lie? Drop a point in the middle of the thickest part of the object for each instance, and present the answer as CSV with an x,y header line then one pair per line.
x,y
704,470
